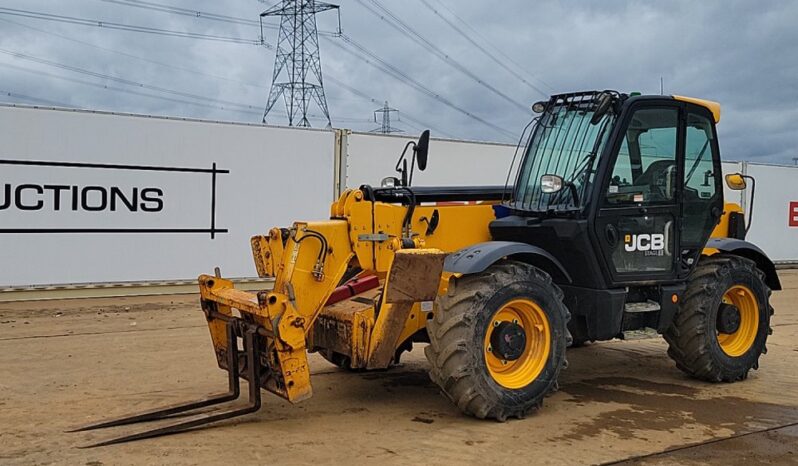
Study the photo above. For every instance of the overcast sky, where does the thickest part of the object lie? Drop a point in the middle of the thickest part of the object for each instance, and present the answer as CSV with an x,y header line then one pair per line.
x,y
743,54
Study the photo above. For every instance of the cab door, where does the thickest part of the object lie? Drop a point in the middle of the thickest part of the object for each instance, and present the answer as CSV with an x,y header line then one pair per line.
x,y
702,186
639,216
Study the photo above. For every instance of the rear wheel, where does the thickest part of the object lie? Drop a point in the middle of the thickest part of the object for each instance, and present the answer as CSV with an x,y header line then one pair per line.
x,y
723,324
497,341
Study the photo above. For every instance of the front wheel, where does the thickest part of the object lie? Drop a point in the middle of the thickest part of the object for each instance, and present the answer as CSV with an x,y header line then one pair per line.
x,y
498,339
723,324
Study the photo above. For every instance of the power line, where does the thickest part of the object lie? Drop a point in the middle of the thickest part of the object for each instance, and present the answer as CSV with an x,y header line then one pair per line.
x,y
32,99
350,89
128,82
404,78
127,91
152,96
361,94
124,27
197,14
137,57
184,11
398,24
481,48
494,47
130,55
382,66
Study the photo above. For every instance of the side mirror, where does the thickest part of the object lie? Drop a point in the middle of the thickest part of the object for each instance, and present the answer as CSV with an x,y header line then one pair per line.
x,y
422,150
735,181
550,184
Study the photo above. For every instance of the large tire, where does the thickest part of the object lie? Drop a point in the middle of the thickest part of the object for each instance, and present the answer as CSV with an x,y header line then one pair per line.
x,y
696,344
458,334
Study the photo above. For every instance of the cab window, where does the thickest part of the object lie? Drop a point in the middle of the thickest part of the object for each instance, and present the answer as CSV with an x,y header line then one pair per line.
x,y
701,187
645,167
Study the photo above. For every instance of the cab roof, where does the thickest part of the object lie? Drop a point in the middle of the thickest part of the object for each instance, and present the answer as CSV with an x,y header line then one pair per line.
x,y
713,107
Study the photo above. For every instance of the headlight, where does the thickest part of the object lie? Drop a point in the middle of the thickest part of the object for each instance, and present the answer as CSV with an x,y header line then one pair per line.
x,y
550,184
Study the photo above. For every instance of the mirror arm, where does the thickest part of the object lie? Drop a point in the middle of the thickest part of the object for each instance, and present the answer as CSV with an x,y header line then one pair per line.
x,y
401,164
751,207
404,152
412,168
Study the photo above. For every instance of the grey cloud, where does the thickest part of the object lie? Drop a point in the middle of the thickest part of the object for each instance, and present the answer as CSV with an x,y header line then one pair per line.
x,y
742,54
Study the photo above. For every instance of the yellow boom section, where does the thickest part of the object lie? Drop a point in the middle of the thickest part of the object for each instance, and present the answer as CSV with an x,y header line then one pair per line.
x,y
308,262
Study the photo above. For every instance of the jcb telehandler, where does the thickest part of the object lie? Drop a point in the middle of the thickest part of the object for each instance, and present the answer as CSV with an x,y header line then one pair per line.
x,y
615,224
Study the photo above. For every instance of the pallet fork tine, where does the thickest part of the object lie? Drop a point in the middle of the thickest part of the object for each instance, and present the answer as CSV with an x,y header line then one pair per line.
x,y
167,411
253,375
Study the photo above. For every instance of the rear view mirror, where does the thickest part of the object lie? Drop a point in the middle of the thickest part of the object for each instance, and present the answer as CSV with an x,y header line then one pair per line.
x,y
422,150
735,181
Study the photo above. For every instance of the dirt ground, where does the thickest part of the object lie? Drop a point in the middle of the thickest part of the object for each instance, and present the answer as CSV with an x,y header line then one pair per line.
x,y
65,363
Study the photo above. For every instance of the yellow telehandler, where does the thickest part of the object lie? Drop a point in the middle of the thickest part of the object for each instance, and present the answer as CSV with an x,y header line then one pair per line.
x,y
614,227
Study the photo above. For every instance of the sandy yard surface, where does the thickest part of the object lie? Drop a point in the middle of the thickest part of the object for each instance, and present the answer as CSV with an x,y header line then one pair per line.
x,y
65,363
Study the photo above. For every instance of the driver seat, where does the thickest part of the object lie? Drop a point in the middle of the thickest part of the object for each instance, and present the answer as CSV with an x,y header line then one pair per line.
x,y
653,171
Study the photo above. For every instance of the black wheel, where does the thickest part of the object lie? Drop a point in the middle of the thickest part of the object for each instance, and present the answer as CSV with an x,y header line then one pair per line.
x,y
497,340
723,323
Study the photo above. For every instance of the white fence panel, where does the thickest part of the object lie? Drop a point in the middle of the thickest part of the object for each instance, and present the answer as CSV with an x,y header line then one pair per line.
x,y
372,157
775,216
156,222
131,198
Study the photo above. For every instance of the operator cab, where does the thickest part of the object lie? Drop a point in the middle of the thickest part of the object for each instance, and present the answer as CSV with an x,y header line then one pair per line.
x,y
634,175
624,192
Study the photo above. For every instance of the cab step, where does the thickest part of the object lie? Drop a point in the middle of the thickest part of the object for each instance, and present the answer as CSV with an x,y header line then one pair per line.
x,y
646,306
642,334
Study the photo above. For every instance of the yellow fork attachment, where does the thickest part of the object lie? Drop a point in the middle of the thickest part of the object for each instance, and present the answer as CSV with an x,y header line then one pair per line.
x,y
414,276
274,333
282,326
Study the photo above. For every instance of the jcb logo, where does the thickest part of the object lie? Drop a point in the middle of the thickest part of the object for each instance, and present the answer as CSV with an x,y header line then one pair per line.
x,y
644,242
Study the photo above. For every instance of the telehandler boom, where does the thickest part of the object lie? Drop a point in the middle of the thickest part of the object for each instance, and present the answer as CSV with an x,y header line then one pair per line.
x,y
615,227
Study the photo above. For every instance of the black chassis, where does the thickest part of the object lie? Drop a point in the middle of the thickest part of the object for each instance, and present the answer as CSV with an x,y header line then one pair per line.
x,y
568,245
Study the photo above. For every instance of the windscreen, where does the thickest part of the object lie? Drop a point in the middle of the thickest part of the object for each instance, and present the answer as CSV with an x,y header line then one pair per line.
x,y
565,143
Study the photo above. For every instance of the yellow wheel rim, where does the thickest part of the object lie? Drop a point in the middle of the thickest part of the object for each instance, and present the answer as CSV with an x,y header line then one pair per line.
x,y
738,343
524,370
